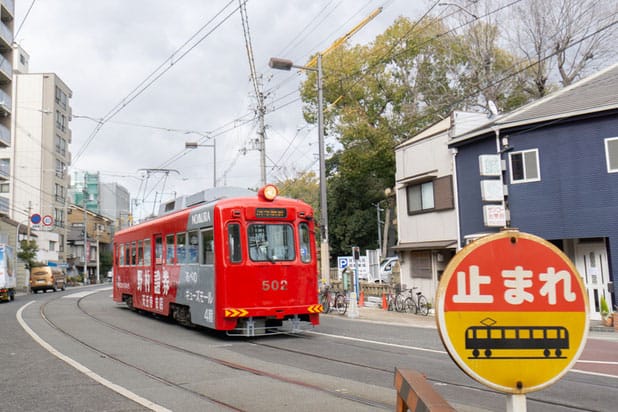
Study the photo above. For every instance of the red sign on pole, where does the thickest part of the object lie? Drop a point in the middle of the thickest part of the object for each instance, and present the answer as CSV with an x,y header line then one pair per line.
x,y
512,312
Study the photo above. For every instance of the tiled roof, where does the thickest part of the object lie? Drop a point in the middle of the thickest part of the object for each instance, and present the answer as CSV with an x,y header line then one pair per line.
x,y
596,93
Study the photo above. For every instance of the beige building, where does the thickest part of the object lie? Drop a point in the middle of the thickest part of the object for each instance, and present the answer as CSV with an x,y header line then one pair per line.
x,y
7,9
39,156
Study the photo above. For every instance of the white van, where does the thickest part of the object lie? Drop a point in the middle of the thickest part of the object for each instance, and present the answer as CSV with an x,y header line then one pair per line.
x,y
386,268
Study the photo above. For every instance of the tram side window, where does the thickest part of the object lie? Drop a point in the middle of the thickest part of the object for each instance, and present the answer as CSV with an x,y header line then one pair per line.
x,y
120,256
208,248
181,251
233,237
305,243
127,254
133,254
159,249
140,253
169,244
193,247
147,252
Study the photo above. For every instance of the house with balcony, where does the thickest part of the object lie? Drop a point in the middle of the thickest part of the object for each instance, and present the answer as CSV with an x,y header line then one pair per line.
x,y
426,208
556,177
89,238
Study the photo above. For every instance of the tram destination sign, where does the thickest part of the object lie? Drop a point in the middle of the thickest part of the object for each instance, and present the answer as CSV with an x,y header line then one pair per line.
x,y
271,212
512,312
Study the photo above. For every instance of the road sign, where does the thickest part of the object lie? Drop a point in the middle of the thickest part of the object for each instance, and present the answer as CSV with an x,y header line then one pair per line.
x,y
48,220
512,312
35,218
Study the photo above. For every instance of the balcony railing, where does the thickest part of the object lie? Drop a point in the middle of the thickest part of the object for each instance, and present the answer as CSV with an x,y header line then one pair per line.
x,y
6,70
6,36
5,136
5,171
4,205
9,6
6,104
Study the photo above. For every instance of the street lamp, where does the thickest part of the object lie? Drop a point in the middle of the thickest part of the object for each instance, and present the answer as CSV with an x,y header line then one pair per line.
x,y
195,145
284,64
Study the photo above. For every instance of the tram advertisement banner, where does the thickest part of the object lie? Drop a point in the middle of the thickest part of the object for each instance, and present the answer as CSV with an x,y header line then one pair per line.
x,y
512,312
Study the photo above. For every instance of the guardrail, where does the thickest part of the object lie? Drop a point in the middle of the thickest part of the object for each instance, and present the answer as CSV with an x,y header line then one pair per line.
x,y
414,393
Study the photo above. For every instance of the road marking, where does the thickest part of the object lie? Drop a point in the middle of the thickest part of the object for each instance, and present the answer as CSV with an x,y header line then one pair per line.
x,y
416,348
85,293
116,388
604,375
393,345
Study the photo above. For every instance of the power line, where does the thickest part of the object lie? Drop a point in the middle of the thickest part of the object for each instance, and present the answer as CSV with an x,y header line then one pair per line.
x,y
156,75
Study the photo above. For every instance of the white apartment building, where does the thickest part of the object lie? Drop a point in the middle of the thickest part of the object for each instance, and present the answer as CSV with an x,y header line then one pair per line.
x,y
39,157
7,10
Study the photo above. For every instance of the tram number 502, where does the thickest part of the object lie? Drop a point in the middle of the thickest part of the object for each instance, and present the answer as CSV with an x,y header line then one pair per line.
x,y
274,285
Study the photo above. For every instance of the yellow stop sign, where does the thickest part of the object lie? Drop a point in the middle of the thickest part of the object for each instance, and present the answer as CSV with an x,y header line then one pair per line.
x,y
512,312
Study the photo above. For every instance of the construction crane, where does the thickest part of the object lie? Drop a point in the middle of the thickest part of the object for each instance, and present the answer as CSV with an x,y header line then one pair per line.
x,y
345,37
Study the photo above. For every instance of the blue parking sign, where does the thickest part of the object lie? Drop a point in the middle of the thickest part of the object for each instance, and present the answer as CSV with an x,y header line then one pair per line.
x,y
343,263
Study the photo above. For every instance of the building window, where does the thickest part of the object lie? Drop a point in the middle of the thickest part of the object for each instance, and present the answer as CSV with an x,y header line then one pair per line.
x,y
430,196
420,265
611,154
61,97
60,168
61,121
525,166
61,145
420,197
4,188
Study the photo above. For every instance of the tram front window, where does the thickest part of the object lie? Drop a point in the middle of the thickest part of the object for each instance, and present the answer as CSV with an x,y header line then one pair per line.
x,y
269,243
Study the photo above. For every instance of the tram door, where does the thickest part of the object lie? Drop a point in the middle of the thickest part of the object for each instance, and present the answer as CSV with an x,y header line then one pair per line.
x,y
591,262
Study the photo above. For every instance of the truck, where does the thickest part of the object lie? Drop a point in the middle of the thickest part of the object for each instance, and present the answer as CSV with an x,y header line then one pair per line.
x,y
8,277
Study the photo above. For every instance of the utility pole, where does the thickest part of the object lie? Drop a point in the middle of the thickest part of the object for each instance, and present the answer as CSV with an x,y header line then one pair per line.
x,y
262,133
84,194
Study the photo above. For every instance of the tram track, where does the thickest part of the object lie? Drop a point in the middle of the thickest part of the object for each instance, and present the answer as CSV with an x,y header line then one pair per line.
x,y
322,357
531,398
213,359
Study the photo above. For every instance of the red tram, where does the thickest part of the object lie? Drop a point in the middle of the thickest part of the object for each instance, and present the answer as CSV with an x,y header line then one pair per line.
x,y
241,264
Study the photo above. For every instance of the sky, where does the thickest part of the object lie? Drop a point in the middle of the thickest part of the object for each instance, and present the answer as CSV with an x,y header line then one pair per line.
x,y
162,73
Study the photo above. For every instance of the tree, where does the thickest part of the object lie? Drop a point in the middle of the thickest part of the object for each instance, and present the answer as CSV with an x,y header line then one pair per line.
x,y
305,187
27,253
381,94
561,39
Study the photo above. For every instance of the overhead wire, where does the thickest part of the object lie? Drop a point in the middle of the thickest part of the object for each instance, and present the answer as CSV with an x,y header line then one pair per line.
x,y
157,74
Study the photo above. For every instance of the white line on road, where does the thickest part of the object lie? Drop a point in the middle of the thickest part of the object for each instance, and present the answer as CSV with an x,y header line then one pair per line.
x,y
116,388
85,293
394,345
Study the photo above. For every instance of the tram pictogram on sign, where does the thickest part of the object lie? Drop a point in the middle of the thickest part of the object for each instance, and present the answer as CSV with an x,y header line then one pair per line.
x,y
512,312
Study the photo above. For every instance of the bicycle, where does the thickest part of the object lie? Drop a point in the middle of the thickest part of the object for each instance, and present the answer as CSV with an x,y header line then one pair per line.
x,y
419,306
330,301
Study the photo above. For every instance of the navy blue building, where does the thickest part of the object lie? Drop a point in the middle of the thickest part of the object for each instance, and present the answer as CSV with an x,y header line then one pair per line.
x,y
559,162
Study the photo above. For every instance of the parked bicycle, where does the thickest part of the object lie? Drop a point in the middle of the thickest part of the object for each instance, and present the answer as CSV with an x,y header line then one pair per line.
x,y
416,302
333,301
396,300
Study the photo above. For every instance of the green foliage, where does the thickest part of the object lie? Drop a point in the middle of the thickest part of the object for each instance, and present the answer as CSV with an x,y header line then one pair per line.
x,y
305,187
27,252
381,94
105,262
604,307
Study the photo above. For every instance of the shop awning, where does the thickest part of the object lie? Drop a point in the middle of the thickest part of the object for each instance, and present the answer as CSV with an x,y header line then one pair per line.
x,y
429,245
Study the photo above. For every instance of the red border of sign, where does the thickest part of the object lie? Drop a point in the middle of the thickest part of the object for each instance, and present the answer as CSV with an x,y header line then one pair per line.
x,y
440,313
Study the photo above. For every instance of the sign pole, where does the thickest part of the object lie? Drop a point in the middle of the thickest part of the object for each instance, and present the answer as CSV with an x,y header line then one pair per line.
x,y
516,403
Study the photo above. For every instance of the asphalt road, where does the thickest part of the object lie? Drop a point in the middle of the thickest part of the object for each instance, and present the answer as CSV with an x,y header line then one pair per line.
x,y
341,361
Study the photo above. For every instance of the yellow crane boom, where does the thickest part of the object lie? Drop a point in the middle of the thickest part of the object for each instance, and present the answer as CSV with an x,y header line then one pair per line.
x,y
345,37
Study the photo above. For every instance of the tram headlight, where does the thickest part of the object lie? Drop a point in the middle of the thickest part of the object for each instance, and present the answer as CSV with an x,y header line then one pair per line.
x,y
269,192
